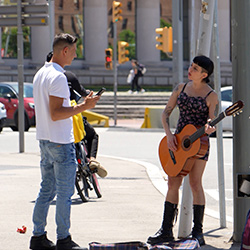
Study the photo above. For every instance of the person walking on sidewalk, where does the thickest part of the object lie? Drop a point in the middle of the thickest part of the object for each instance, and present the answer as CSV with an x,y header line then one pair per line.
x,y
54,128
138,70
197,104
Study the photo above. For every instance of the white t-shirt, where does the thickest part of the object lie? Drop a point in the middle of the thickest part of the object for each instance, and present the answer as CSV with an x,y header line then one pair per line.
x,y
51,81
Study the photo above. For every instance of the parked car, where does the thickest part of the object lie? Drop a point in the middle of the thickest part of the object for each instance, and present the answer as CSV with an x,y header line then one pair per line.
x,y
9,97
226,101
2,116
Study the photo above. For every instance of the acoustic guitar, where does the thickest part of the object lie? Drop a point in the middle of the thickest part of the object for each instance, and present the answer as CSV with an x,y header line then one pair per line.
x,y
192,143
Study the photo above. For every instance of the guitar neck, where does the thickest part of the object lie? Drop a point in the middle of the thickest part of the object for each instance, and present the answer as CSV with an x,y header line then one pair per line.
x,y
201,131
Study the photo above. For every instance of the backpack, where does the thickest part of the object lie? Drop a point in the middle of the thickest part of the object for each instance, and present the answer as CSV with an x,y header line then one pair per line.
x,y
131,245
245,243
186,243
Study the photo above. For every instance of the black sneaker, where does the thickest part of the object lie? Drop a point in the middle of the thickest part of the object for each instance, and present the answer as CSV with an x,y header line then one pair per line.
x,y
41,243
68,244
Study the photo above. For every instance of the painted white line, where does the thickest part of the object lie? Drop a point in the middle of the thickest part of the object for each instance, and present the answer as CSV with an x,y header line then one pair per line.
x,y
214,193
160,184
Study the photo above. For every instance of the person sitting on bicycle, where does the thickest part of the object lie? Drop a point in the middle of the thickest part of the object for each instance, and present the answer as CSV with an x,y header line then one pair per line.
x,y
92,138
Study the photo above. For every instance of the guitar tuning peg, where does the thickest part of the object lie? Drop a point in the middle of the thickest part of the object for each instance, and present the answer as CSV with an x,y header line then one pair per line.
x,y
241,111
234,115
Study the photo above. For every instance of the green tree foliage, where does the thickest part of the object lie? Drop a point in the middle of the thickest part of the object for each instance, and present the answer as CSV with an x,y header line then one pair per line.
x,y
9,42
79,46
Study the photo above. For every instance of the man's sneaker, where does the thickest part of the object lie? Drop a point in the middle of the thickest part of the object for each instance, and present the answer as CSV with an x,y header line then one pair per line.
x,y
142,90
68,244
41,243
130,91
101,171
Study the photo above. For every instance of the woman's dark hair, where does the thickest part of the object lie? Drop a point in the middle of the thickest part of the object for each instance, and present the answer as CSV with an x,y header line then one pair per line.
x,y
206,64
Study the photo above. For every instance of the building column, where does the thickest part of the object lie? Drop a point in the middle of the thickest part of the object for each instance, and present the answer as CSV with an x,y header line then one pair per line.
x,y
40,47
147,20
95,31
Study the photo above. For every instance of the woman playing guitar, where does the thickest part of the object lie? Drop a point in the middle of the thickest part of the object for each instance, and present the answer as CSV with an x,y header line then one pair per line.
x,y
197,104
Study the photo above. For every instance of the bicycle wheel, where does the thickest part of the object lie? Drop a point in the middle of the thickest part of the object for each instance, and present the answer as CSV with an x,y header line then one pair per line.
x,y
96,185
82,185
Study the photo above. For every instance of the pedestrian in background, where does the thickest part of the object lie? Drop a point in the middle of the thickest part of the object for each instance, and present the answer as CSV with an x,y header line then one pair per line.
x,y
137,71
54,128
197,103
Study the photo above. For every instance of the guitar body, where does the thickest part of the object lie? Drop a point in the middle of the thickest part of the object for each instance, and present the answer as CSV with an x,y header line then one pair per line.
x,y
174,163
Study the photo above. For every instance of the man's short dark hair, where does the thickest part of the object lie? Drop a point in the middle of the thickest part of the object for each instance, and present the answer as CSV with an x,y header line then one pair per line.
x,y
64,39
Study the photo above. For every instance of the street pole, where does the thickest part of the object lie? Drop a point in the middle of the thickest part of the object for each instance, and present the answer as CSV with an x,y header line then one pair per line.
x,y
217,84
205,28
177,10
240,24
51,21
115,71
185,221
20,76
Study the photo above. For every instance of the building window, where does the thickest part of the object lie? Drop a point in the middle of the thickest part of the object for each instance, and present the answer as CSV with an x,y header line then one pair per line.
x,y
77,4
60,4
124,23
129,5
73,26
60,23
110,12
111,30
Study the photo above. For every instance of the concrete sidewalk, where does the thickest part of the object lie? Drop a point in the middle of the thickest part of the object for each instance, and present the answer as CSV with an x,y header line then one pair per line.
x,y
131,207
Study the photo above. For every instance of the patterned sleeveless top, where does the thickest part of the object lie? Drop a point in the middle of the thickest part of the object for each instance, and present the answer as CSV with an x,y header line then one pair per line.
x,y
193,110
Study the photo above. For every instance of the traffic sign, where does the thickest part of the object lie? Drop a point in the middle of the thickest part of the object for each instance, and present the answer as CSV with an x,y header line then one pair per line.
x,y
23,1
26,9
8,10
26,21
36,9
27,12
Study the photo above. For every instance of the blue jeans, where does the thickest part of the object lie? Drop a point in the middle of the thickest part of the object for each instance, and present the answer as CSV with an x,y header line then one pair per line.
x,y
58,170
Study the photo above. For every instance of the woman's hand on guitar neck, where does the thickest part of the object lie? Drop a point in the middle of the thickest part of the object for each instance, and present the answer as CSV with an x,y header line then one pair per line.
x,y
172,142
209,129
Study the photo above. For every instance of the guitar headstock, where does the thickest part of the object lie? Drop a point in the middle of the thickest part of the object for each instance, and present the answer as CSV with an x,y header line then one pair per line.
x,y
234,109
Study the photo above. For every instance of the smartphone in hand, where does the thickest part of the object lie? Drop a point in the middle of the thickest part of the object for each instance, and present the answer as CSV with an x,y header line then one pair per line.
x,y
100,92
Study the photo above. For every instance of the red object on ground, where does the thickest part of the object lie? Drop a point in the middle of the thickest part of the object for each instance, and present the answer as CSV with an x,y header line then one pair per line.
x,y
22,230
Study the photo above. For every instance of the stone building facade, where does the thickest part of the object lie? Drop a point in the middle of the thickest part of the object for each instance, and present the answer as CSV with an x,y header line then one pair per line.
x,y
90,20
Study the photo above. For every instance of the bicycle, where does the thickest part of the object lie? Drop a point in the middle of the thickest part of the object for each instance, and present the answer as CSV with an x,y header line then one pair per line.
x,y
86,180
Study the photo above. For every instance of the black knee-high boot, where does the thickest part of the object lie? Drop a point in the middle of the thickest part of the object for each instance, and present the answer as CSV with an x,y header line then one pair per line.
x,y
197,231
165,233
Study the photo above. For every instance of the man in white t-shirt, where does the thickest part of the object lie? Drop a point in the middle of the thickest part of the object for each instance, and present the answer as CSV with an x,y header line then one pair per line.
x,y
54,128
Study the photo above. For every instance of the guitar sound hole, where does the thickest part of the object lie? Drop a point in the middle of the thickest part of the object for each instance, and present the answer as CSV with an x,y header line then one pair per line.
x,y
186,143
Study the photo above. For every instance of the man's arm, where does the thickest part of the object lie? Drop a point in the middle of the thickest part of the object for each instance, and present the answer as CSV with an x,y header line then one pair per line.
x,y
58,112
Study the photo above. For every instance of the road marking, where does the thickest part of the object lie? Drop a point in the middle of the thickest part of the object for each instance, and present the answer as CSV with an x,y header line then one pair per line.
x,y
214,193
160,184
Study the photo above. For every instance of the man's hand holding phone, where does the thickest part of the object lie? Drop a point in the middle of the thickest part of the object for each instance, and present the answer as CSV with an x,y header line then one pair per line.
x,y
100,92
